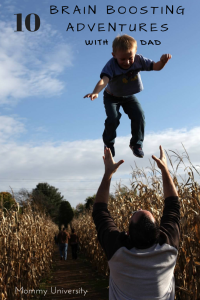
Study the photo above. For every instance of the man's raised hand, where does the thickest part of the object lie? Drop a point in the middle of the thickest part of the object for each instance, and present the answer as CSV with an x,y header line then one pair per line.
x,y
162,161
110,165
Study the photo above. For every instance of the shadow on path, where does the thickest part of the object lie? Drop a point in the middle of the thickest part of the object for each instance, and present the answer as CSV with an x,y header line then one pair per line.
x,y
75,279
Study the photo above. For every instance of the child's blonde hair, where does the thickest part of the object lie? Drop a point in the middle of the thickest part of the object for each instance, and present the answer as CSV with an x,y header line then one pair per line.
x,y
124,42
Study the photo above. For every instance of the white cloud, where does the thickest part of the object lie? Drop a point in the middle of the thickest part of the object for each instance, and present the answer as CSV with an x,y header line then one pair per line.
x,y
31,64
76,168
10,127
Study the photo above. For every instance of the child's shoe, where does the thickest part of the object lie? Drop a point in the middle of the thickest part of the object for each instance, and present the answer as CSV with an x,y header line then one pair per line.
x,y
137,151
112,149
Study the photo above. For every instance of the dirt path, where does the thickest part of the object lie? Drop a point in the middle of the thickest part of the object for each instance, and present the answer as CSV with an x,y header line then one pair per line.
x,y
75,279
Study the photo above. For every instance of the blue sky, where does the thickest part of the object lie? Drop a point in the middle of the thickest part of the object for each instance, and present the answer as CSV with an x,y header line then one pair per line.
x,y
49,132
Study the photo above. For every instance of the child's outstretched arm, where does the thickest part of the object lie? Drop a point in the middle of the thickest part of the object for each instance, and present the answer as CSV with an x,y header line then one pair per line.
x,y
162,62
98,88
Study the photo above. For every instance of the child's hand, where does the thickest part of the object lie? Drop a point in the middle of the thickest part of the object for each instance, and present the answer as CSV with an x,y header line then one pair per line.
x,y
165,58
91,96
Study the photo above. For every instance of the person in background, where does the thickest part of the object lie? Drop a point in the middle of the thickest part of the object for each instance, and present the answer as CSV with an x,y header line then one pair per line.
x,y
63,238
74,244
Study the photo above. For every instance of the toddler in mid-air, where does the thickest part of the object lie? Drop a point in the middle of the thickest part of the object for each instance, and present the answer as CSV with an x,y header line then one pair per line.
x,y
121,79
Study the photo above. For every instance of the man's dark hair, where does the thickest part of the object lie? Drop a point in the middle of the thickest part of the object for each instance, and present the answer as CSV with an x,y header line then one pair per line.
x,y
144,233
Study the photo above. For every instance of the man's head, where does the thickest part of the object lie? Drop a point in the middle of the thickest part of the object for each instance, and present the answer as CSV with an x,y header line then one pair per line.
x,y
124,50
143,229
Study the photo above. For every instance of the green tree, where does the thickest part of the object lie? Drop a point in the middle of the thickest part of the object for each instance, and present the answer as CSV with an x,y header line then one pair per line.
x,y
7,201
80,208
66,213
89,201
47,198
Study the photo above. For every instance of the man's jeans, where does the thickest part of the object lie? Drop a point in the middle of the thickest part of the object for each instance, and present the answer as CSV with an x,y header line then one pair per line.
x,y
133,109
63,248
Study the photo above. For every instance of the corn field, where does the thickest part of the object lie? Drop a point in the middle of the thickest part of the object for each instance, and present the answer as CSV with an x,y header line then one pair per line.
x,y
147,193
26,248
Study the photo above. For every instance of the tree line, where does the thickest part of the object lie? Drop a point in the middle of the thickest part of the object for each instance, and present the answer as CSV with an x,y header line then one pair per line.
x,y
44,198
47,199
